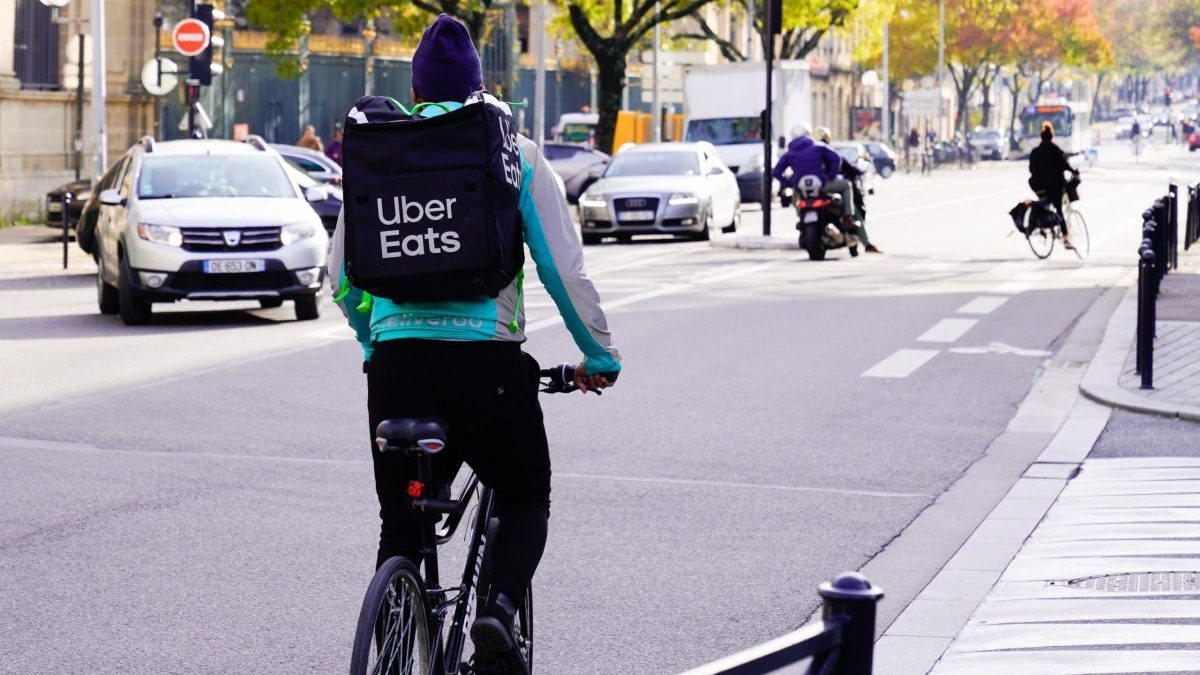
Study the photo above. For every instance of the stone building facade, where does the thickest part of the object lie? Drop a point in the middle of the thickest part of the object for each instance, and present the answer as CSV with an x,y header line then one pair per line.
x,y
37,112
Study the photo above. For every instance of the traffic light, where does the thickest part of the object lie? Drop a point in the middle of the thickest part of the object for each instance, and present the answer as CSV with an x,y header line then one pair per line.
x,y
201,65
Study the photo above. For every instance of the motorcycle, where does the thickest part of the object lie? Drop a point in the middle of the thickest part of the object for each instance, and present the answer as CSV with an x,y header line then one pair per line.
x,y
819,219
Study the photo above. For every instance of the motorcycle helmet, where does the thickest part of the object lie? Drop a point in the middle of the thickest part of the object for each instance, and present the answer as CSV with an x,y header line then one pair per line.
x,y
800,131
822,134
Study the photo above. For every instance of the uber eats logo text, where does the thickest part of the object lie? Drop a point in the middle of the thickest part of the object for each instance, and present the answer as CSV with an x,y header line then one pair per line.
x,y
421,243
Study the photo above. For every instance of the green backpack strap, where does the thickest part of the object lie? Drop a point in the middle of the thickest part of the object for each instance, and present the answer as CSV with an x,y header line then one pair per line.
x,y
399,105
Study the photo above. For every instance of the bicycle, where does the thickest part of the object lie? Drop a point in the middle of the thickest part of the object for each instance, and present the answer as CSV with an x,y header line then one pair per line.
x,y
402,625
1041,236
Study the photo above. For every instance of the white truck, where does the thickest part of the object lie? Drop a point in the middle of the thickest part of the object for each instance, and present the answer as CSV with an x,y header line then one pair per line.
x,y
724,106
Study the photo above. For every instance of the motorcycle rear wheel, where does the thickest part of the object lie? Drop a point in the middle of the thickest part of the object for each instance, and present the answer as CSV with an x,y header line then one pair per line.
x,y
814,243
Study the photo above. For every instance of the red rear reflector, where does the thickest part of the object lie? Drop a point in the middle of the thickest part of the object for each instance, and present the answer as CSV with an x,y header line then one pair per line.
x,y
415,489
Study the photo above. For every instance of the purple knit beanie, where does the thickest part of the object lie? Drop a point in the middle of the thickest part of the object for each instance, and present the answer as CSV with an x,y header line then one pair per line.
x,y
445,66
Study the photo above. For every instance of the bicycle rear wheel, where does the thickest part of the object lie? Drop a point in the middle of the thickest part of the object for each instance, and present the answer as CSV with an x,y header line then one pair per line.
x,y
1041,241
392,637
1077,226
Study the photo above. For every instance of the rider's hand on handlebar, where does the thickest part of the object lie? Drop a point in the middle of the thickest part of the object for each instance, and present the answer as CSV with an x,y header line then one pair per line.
x,y
583,382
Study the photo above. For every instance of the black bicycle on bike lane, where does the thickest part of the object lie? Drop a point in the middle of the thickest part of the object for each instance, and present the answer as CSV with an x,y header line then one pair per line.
x,y
410,624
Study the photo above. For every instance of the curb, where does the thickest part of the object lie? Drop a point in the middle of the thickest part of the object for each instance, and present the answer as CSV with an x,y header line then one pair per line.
x,y
752,242
1100,381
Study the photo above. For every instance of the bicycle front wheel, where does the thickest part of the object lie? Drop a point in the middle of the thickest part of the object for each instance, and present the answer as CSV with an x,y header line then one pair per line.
x,y
1077,226
393,626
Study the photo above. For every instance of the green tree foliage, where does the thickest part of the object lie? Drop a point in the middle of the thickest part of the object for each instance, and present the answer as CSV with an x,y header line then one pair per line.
x,y
804,23
285,21
609,30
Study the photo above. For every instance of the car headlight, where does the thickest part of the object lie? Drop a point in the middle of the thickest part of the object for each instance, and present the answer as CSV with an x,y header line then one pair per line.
x,y
683,199
591,202
295,232
161,234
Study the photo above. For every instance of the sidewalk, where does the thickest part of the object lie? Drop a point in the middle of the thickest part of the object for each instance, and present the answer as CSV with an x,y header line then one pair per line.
x,y
1091,562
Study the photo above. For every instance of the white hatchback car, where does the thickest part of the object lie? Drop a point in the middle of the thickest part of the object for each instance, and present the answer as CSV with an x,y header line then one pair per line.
x,y
206,220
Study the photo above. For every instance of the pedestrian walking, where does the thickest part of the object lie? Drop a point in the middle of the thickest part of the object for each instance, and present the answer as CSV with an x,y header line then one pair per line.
x,y
334,149
310,139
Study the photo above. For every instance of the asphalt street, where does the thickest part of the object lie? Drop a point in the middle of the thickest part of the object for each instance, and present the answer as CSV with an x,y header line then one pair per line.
x,y
196,495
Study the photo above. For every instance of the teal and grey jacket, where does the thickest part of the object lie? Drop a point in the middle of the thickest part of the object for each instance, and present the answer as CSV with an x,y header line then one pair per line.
x,y
558,257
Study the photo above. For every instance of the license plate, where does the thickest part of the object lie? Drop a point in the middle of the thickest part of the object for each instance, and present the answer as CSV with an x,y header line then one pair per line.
x,y
810,216
233,266
54,207
635,215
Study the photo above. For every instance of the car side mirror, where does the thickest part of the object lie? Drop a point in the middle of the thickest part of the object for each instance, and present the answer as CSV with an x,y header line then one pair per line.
x,y
715,171
111,197
316,194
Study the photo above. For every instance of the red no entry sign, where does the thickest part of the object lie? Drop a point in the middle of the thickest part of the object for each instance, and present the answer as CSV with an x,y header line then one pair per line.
x,y
190,37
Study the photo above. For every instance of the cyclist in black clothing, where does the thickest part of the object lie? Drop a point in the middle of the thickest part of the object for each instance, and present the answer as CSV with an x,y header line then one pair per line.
x,y
1047,164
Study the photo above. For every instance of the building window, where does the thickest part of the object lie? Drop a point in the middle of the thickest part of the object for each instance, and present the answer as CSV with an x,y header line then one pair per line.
x,y
36,47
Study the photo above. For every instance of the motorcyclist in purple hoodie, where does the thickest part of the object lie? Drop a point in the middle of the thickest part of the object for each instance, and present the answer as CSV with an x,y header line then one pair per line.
x,y
804,157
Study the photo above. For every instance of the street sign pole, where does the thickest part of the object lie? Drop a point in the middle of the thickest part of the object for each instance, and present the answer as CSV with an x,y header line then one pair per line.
x,y
99,68
769,54
79,115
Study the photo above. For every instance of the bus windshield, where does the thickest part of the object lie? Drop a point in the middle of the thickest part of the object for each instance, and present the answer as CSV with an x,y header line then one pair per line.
x,y
1059,116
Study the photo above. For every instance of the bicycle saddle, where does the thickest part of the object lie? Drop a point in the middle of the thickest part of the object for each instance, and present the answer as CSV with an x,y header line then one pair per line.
x,y
413,435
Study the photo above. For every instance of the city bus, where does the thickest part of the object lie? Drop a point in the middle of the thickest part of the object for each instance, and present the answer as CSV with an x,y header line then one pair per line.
x,y
1071,126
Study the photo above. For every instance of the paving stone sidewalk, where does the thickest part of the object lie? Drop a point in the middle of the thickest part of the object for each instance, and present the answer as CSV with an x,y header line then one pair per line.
x,y
1176,347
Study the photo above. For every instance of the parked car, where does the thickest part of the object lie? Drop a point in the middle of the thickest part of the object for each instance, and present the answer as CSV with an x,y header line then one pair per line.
x,y
206,220
577,165
327,208
986,143
661,188
80,191
316,164
855,153
882,156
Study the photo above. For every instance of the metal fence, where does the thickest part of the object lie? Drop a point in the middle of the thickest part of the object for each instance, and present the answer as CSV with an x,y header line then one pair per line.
x,y
841,643
277,109
1191,227
1157,255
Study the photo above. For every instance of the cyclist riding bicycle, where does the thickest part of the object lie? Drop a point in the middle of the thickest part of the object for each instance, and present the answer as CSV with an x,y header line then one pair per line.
x,y
461,359
1047,166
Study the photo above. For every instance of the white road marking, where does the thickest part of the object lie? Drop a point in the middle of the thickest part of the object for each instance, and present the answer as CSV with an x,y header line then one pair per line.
x,y
1012,287
744,486
947,330
984,304
901,364
1001,348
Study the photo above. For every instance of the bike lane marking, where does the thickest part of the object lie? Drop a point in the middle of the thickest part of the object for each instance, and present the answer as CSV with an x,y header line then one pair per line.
x,y
901,364
947,330
984,304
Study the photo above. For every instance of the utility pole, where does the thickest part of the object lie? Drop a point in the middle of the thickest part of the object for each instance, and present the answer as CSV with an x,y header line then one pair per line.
x,y
98,89
656,113
886,124
539,79
941,69
769,19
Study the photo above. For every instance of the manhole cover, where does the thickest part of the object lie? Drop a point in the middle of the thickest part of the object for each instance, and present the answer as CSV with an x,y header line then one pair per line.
x,y
1140,582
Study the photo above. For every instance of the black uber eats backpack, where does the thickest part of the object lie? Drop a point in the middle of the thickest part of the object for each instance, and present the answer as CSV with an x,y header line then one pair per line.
x,y
431,204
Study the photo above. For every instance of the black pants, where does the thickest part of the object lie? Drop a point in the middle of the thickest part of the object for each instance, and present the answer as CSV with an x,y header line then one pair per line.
x,y
487,394
1055,197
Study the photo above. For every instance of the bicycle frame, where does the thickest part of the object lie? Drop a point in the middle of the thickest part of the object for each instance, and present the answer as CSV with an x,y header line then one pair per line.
x,y
445,656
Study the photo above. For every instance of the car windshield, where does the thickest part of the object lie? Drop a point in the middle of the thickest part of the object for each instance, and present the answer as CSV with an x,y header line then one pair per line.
x,y
299,175
213,176
665,163
725,131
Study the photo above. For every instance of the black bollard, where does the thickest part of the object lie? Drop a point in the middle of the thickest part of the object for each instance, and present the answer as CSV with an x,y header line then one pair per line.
x,y
852,596
1146,318
66,222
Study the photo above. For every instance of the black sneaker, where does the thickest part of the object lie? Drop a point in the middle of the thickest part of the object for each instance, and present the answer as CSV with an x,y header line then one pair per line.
x,y
495,642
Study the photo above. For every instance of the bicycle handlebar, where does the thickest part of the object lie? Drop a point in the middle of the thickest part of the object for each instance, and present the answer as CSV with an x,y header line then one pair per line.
x,y
560,379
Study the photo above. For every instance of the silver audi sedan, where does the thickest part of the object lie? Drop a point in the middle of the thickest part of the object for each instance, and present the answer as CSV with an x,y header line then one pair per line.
x,y
661,188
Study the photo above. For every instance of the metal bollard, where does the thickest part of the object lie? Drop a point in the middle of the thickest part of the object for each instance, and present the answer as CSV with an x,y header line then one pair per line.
x,y
852,596
66,221
1146,318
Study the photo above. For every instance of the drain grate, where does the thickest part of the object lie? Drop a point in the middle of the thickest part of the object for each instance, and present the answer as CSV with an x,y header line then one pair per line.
x,y
1140,582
